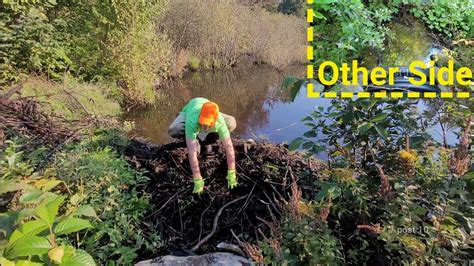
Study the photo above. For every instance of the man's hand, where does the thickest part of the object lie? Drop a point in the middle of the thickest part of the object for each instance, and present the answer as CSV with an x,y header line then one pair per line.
x,y
231,179
198,185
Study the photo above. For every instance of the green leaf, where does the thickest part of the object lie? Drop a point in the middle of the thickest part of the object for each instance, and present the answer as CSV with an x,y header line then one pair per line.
x,y
318,14
7,223
30,228
347,118
31,196
367,104
48,210
10,186
317,149
364,127
86,210
287,81
294,84
307,145
382,132
310,134
295,144
71,225
27,263
4,261
28,246
79,258
329,190
379,118
295,88
46,184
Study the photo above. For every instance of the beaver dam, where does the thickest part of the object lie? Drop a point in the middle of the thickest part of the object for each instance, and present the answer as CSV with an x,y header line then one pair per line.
x,y
268,175
192,222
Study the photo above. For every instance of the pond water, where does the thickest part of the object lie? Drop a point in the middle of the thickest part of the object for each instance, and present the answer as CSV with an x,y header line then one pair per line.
x,y
253,96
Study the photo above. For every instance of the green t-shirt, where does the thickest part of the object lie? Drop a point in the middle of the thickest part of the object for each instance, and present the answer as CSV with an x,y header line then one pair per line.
x,y
191,126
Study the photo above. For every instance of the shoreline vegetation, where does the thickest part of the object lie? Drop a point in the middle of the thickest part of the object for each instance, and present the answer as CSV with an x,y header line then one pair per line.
x,y
132,47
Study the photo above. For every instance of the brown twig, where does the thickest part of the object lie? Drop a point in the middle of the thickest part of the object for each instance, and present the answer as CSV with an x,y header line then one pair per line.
x,y
12,91
214,226
202,214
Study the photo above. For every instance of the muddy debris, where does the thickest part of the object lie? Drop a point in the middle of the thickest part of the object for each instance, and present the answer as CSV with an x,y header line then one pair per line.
x,y
197,223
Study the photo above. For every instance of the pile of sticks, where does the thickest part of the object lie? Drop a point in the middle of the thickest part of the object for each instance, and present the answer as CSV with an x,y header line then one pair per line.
x,y
24,116
186,221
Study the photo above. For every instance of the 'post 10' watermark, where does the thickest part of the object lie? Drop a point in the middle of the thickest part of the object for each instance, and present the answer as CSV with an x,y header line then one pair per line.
x,y
413,230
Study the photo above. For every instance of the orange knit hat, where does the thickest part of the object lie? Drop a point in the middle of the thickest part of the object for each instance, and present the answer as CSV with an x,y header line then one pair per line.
x,y
209,113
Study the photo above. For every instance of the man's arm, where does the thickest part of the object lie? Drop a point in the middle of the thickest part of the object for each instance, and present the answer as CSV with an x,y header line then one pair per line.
x,y
192,156
229,152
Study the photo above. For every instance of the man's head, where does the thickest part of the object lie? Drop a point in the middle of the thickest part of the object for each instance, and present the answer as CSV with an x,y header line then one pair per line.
x,y
208,115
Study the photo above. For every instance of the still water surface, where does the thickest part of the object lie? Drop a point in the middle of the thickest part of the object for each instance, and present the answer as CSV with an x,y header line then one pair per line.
x,y
251,94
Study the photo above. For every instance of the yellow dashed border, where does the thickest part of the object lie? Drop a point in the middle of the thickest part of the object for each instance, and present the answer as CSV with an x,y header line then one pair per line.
x,y
310,93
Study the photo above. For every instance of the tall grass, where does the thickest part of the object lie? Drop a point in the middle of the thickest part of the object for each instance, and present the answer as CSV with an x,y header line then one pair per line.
x,y
220,34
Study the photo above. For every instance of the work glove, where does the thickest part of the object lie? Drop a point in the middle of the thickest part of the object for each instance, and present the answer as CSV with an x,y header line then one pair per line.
x,y
198,185
231,179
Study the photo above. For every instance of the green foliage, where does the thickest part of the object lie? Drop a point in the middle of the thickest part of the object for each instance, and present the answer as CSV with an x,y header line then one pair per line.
x,y
93,181
105,181
343,29
30,41
304,241
453,19
31,232
93,40
415,210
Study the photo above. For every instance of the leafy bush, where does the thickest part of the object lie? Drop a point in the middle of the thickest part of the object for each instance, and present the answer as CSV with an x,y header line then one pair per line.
x,y
95,182
393,193
302,236
104,180
94,40
32,232
30,41
453,19
342,29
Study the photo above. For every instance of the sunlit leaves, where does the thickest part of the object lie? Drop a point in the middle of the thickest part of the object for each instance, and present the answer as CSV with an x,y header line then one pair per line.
x,y
48,210
28,246
71,225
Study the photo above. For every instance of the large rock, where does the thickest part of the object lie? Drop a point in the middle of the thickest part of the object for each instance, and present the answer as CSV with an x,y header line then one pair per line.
x,y
217,258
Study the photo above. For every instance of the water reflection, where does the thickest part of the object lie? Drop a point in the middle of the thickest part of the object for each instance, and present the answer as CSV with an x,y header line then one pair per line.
x,y
251,94
406,44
